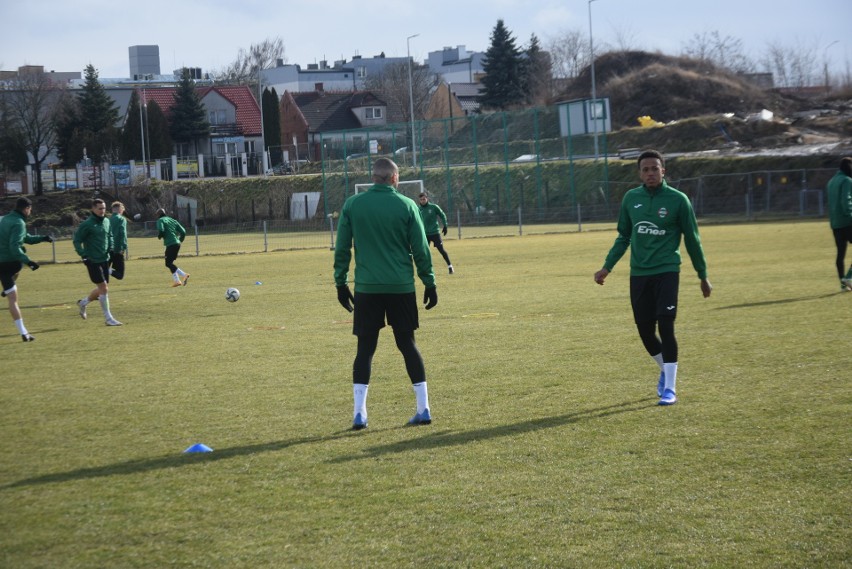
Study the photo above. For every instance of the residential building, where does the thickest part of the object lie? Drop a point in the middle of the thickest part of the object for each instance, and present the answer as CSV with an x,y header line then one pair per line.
x,y
309,118
457,65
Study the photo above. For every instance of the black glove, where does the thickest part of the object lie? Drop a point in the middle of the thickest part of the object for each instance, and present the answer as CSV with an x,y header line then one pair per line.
x,y
444,231
430,297
33,265
47,239
345,298
86,261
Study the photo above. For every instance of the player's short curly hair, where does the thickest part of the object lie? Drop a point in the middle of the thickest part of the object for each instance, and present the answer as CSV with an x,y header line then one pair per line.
x,y
846,165
651,154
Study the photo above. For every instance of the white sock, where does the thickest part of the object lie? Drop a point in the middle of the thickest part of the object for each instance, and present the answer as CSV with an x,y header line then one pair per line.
x,y
422,396
359,394
104,298
180,273
659,359
671,375
84,301
19,323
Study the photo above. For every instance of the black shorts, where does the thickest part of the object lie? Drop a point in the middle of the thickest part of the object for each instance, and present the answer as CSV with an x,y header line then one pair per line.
x,y
654,296
371,309
9,272
844,234
98,272
172,253
435,239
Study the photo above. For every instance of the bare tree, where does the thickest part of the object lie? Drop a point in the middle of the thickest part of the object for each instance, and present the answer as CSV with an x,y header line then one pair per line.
x,y
245,69
723,51
392,85
792,66
569,53
32,106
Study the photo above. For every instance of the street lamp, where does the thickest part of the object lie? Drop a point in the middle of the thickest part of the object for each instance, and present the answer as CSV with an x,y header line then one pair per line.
x,y
825,64
411,100
594,107
263,162
142,133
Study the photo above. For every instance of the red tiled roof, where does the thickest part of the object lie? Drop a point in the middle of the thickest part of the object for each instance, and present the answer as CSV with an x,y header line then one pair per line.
x,y
247,109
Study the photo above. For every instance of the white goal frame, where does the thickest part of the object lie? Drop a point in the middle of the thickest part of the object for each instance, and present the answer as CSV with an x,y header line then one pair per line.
x,y
408,188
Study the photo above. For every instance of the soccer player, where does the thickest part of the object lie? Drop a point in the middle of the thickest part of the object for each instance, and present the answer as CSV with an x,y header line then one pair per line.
x,y
118,227
652,219
430,213
840,217
93,242
13,256
172,233
387,232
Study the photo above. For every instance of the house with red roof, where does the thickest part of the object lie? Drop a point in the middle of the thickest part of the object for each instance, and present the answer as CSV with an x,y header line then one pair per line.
x,y
233,114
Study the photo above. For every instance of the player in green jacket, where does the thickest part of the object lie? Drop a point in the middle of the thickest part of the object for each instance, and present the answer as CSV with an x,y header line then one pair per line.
x,y
652,219
430,213
172,233
13,256
840,217
118,227
93,242
387,233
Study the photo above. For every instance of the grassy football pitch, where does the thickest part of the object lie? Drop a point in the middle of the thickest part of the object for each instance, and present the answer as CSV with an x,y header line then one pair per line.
x,y
547,447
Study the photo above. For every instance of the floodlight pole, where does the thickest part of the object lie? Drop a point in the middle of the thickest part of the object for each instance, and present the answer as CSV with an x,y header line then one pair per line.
x,y
263,163
411,101
142,133
594,108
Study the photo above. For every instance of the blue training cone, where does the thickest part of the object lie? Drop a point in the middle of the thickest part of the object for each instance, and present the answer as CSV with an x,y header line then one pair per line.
x,y
199,447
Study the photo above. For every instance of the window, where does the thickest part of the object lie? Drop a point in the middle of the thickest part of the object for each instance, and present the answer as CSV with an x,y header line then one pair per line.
x,y
373,112
217,116
361,71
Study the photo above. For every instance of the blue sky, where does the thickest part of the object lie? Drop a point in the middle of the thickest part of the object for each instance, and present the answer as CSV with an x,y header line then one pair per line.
x,y
67,36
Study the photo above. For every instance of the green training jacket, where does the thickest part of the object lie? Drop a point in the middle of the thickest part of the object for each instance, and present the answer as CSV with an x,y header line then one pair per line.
x,y
387,232
170,231
118,226
93,239
651,223
430,214
840,201
13,235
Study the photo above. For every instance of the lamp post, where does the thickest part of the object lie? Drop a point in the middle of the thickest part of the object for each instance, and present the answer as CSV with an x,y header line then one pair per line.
x,y
142,133
411,100
594,107
825,65
262,135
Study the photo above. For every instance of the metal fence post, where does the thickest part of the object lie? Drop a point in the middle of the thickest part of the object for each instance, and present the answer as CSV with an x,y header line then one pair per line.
x,y
265,238
331,229
458,222
579,219
197,245
520,222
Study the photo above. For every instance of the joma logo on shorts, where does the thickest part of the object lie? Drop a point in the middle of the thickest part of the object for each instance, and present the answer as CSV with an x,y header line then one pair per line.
x,y
647,228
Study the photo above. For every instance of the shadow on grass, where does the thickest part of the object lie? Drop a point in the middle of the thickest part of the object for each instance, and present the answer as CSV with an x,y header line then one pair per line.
x,y
434,440
448,438
161,463
780,301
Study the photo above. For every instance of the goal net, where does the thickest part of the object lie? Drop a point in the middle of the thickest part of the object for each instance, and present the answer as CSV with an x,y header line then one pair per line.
x,y
409,188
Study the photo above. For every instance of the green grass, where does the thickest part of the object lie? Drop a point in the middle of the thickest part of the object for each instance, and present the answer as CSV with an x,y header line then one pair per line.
x,y
547,448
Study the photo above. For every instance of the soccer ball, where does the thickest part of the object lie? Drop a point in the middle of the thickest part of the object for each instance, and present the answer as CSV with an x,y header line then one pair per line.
x,y
137,217
232,295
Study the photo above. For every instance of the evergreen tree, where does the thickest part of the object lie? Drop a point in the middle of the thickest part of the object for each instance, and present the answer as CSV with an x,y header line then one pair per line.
x,y
159,141
131,134
536,73
189,119
98,119
69,142
271,118
503,82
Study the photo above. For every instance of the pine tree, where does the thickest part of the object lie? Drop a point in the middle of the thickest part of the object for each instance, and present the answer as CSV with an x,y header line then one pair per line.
x,y
131,134
189,119
536,72
503,81
99,113
271,118
159,141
